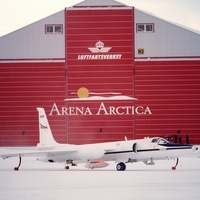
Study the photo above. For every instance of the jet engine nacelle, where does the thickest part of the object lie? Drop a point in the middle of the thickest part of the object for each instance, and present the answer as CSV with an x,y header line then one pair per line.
x,y
97,164
45,159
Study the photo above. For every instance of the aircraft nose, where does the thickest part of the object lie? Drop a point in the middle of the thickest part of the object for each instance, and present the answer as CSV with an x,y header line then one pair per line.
x,y
195,149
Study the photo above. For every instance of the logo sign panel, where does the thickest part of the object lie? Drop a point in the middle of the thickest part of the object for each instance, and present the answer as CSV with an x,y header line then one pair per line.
x,y
83,94
99,52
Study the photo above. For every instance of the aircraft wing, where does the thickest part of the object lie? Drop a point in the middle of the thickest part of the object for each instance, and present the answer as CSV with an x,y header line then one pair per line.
x,y
7,153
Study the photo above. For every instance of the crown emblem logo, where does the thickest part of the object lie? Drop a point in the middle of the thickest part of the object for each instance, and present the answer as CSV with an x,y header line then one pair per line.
x,y
99,47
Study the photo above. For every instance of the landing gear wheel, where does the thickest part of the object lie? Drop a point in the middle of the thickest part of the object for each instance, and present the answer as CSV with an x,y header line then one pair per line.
x,y
121,166
67,167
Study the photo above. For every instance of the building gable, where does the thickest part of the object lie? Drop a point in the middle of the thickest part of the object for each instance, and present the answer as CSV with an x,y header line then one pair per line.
x,y
33,42
165,40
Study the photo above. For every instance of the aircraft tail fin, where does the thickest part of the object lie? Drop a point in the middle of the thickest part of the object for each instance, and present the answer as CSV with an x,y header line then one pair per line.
x,y
46,136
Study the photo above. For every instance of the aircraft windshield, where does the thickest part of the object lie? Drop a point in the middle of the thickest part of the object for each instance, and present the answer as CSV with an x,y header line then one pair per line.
x,y
159,141
162,141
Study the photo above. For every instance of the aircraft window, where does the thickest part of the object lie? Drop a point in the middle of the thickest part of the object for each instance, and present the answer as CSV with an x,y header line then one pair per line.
x,y
155,140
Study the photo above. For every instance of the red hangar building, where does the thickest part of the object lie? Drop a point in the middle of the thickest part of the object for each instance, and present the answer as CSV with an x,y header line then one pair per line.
x,y
102,71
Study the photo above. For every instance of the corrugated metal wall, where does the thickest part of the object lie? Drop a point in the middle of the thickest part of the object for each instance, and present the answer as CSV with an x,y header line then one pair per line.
x,y
172,91
84,28
23,88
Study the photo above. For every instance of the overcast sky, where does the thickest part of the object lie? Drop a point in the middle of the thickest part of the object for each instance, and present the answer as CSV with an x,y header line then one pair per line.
x,y
15,14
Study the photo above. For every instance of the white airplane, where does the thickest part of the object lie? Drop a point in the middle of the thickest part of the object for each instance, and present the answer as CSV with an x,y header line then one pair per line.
x,y
98,155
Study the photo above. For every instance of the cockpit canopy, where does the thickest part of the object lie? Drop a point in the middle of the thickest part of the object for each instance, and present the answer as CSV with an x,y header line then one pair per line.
x,y
159,140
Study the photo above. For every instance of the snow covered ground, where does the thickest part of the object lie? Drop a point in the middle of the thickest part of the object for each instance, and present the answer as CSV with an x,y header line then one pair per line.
x,y
50,181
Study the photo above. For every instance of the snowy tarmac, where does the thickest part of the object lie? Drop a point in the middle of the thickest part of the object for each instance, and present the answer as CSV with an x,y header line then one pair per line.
x,y
50,181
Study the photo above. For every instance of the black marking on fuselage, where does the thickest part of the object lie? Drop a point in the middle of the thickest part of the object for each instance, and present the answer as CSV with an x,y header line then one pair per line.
x,y
169,148
119,152
175,145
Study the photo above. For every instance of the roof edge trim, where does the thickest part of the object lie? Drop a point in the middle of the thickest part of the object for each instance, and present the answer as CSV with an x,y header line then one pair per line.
x,y
99,3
